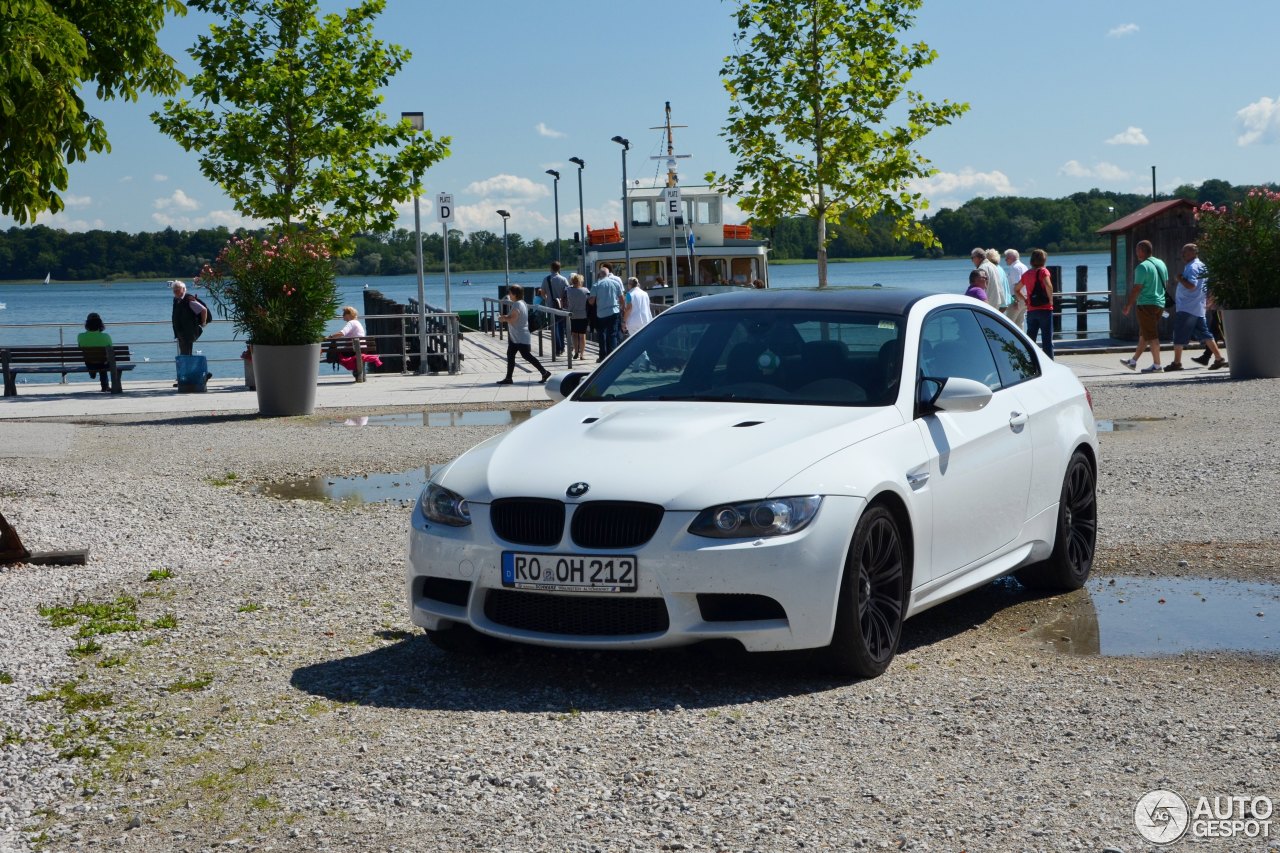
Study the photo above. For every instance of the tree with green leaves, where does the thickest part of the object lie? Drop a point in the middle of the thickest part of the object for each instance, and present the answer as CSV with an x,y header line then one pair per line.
x,y
51,48
286,116
821,120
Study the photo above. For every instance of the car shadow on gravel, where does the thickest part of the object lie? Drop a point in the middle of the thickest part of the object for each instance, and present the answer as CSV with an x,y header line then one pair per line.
x,y
499,676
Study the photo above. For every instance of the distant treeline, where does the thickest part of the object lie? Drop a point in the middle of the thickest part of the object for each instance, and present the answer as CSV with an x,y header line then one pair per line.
x,y
1057,225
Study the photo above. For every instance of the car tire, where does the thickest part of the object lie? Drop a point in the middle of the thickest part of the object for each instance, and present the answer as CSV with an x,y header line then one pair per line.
x,y
1075,538
873,599
461,640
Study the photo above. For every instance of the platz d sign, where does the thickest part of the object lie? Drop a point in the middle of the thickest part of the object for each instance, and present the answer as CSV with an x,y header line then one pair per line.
x,y
444,207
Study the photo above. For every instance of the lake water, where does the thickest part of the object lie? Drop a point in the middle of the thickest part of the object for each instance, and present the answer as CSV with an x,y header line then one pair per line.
x,y
137,312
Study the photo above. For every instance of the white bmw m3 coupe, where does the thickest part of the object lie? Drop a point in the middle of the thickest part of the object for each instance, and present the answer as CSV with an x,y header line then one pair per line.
x,y
786,469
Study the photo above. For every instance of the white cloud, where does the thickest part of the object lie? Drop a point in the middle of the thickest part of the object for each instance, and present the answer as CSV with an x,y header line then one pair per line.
x,y
230,218
1103,170
60,220
127,179
178,201
508,187
72,200
1122,30
1260,122
543,130
1129,136
951,189
159,178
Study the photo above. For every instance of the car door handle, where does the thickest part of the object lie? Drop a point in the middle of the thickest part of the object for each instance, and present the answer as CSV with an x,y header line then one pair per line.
x,y
1017,420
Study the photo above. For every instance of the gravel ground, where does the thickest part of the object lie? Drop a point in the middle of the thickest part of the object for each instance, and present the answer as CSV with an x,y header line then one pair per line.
x,y
276,697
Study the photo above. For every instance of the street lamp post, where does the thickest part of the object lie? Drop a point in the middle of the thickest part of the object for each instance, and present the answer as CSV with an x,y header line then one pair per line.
x,y
506,256
626,223
415,119
556,184
582,220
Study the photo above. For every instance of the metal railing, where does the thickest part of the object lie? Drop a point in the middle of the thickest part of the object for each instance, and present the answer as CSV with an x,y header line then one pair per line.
x,y
491,310
444,339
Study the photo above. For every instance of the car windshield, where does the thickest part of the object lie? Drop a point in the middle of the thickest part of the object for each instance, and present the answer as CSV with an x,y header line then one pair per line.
x,y
789,357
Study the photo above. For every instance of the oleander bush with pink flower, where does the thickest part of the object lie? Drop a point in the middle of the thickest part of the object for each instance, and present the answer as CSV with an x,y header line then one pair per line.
x,y
276,290
1240,246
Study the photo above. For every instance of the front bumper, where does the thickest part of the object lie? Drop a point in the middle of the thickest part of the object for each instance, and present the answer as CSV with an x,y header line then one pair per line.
x,y
800,572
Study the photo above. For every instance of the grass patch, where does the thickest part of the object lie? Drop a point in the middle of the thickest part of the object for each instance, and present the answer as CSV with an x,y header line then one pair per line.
x,y
95,617
264,803
112,661
166,621
249,607
11,736
6,678
84,648
225,480
73,699
197,682
159,575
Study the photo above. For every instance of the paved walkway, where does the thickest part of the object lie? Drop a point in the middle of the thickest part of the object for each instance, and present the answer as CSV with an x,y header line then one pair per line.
x,y
484,364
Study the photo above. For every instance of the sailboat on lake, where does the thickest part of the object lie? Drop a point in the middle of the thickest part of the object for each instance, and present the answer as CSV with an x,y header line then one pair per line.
x,y
46,277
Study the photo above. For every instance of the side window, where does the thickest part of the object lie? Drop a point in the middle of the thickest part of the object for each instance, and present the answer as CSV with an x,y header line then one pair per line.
x,y
1014,357
953,344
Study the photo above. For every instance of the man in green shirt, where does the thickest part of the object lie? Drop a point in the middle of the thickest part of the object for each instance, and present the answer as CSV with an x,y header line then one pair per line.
x,y
1148,292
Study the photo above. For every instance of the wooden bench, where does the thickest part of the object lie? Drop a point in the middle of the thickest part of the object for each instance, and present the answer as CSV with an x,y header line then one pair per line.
x,y
335,348
112,360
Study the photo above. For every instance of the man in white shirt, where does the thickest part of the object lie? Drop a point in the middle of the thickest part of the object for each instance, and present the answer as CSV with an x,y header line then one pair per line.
x,y
1017,312
979,258
638,312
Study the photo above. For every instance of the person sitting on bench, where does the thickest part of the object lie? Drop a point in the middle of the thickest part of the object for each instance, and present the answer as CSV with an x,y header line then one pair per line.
x,y
352,329
95,336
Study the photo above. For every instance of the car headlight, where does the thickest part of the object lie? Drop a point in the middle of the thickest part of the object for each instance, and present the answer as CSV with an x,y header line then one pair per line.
x,y
441,505
753,519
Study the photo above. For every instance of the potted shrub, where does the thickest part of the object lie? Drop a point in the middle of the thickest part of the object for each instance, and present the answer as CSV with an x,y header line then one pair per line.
x,y
279,292
1240,246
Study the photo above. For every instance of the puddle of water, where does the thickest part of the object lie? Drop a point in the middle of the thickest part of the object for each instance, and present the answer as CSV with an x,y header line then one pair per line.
x,y
495,417
1105,425
1152,616
367,488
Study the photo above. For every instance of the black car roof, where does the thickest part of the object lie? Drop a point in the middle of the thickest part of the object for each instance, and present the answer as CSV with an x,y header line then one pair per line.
x,y
879,300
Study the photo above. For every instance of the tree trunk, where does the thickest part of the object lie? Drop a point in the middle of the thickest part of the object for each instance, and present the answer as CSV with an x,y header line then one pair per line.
x,y
822,250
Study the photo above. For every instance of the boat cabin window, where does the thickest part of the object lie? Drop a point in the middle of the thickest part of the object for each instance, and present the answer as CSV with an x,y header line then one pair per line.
x,y
664,219
745,270
648,272
711,270
641,211
704,210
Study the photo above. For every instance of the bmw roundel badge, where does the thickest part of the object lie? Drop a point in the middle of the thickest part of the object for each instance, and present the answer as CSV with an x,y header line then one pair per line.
x,y
577,490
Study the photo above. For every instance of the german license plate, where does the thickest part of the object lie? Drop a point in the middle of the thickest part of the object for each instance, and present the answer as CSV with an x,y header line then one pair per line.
x,y
569,572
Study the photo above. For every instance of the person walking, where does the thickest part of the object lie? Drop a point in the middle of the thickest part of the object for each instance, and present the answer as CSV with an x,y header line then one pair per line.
x,y
553,291
1017,311
1189,323
1148,293
576,300
95,335
518,338
1037,284
1002,280
608,297
638,311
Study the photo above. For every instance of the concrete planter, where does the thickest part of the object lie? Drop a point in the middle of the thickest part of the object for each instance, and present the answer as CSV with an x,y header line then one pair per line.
x,y
286,378
1253,342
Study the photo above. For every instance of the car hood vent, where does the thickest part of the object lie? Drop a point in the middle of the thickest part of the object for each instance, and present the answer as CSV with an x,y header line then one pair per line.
x,y
748,424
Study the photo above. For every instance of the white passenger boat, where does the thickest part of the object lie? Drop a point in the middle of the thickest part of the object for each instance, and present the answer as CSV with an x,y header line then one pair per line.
x,y
680,228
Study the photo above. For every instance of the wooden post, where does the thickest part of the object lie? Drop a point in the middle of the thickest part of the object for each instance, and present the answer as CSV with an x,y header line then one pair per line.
x,y
1055,273
1082,302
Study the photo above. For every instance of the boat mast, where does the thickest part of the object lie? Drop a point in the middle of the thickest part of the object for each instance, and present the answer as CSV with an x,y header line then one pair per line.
x,y
673,188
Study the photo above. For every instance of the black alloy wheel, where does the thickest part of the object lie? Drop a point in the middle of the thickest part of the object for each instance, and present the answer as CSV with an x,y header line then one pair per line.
x,y
1069,565
872,598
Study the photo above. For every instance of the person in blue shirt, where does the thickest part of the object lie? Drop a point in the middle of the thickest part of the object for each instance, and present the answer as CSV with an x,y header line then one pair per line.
x,y
609,298
1189,320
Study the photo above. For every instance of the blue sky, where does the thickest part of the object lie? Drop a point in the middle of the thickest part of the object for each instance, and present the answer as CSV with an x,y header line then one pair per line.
x,y
1064,96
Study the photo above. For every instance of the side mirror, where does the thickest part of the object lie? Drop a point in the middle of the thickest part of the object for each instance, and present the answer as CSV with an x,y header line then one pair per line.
x,y
961,395
561,385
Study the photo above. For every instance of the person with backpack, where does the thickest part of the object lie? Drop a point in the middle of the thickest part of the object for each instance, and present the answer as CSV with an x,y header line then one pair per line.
x,y
190,316
1037,284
